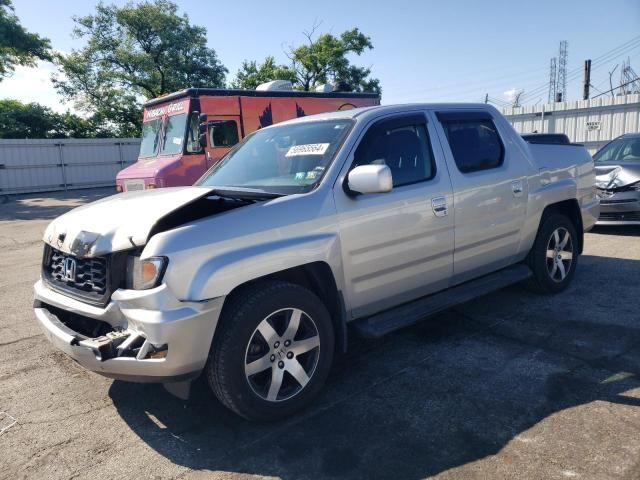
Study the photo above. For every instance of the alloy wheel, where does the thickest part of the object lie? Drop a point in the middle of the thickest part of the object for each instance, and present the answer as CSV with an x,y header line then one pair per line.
x,y
559,254
282,354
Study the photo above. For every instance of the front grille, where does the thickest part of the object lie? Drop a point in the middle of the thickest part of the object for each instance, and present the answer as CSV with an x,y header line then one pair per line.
x,y
90,274
620,217
91,280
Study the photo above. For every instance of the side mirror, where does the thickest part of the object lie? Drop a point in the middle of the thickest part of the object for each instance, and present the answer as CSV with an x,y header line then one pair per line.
x,y
370,179
203,140
202,118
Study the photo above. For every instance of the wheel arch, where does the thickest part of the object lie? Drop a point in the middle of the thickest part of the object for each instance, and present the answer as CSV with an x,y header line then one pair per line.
x,y
570,209
319,279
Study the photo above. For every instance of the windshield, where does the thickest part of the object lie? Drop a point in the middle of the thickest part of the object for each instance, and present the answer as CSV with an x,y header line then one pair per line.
x,y
150,137
174,134
283,159
620,150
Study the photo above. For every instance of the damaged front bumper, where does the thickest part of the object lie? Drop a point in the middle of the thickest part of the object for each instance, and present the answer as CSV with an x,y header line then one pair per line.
x,y
619,208
142,336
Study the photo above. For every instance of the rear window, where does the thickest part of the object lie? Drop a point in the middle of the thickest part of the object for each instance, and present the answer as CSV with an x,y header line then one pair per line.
x,y
474,141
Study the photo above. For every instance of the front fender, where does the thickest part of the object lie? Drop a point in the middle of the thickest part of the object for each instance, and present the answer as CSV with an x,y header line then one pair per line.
x,y
220,274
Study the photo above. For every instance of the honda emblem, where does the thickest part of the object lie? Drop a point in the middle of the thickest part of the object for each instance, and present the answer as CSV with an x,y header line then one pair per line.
x,y
70,269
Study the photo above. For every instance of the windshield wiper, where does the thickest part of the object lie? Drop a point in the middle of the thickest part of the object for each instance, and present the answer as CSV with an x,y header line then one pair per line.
x,y
251,195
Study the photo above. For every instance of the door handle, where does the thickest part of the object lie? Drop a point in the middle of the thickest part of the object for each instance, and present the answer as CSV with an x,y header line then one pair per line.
x,y
517,188
439,206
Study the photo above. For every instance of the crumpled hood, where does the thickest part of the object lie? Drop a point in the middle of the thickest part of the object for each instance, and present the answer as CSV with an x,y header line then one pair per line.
x,y
118,222
611,177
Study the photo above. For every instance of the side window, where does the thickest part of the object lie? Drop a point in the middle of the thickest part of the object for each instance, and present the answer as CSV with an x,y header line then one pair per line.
x,y
403,146
223,133
475,143
193,134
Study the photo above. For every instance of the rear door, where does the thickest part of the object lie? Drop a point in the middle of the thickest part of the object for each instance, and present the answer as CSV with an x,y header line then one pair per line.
x,y
489,177
396,246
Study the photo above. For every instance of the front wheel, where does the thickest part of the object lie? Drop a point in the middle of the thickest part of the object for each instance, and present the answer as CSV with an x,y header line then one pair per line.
x,y
273,351
554,255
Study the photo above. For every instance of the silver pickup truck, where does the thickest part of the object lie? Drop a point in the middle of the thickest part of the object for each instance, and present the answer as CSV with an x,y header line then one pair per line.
x,y
372,218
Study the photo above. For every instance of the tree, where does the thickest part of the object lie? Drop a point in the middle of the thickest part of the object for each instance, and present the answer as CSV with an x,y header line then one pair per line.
x,y
17,45
325,60
250,74
135,52
32,120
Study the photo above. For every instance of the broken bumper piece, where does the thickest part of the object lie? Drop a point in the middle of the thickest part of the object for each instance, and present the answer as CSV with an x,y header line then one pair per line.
x,y
139,336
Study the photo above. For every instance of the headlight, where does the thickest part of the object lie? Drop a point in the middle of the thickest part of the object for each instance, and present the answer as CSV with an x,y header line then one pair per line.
x,y
145,274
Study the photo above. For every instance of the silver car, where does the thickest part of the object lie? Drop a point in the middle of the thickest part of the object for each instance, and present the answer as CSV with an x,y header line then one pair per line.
x,y
618,181
372,217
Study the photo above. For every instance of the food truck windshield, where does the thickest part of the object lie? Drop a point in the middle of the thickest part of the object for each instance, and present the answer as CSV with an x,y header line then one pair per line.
x,y
164,130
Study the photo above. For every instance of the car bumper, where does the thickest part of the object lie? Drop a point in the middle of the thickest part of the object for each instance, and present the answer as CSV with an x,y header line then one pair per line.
x,y
143,322
620,209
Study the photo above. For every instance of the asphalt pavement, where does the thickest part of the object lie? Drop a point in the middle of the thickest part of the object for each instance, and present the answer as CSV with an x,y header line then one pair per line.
x,y
512,385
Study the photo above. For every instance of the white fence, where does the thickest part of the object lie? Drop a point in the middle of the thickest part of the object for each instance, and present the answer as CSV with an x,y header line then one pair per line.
x,y
63,164
591,122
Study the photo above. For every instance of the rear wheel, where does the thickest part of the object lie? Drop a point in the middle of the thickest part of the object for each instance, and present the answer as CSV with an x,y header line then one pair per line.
x,y
554,255
272,352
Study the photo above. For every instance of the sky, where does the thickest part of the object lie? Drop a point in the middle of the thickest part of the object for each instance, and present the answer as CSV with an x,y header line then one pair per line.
x,y
424,51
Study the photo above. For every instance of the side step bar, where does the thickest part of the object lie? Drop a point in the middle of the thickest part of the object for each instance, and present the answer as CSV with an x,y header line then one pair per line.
x,y
409,313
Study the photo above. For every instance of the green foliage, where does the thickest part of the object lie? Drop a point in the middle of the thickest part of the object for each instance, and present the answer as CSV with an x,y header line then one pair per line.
x,y
17,46
134,53
325,59
250,74
32,120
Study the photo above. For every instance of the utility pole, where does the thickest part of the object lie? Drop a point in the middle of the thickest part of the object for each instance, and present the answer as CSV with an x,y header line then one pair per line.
x,y
486,98
610,79
587,80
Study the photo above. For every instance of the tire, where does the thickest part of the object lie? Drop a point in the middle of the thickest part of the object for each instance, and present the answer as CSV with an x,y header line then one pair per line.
x,y
258,367
554,256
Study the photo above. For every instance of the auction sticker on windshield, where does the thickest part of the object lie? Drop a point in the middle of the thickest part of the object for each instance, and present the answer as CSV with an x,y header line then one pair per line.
x,y
308,149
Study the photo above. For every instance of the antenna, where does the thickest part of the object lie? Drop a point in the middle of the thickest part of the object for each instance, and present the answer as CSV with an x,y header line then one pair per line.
x,y
552,80
561,88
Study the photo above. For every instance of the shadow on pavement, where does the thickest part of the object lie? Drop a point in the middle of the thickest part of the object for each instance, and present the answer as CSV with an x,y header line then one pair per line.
x,y
452,390
48,205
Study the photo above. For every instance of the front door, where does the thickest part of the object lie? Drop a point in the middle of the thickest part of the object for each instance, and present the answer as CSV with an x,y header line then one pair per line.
x,y
397,246
490,185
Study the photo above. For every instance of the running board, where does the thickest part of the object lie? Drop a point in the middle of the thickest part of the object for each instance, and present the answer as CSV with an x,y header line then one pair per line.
x,y
409,313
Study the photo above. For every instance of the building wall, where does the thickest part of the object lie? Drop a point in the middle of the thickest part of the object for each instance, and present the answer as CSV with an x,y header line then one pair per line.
x,y
591,122
63,164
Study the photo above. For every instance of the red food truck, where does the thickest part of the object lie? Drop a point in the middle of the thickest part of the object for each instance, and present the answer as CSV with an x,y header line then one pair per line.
x,y
185,133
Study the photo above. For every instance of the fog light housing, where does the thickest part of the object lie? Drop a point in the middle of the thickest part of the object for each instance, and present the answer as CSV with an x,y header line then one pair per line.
x,y
119,188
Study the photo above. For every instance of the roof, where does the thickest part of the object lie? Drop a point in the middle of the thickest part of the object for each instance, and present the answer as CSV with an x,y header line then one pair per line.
x,y
365,112
220,92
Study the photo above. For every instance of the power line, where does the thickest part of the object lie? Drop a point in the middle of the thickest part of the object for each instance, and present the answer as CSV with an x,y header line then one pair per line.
x,y
615,88
596,62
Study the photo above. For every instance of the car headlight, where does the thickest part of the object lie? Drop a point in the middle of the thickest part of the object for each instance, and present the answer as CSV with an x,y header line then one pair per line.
x,y
143,274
